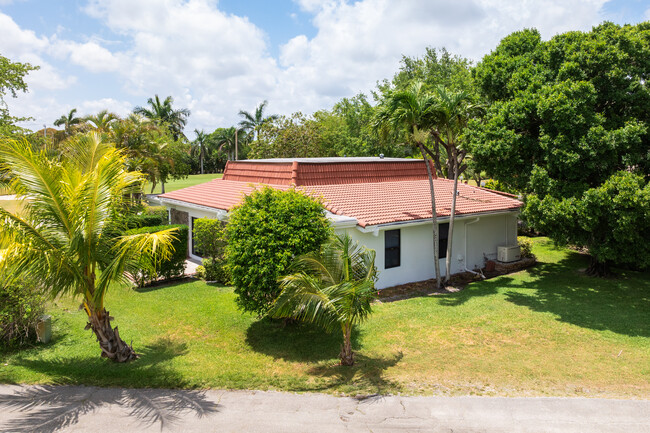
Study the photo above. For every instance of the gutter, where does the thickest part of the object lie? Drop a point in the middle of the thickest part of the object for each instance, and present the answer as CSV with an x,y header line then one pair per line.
x,y
221,213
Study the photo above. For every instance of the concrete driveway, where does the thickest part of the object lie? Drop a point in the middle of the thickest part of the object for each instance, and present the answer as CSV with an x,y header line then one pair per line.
x,y
82,409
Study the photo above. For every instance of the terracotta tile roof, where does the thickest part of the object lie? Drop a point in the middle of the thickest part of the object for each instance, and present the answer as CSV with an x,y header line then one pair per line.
x,y
327,171
370,203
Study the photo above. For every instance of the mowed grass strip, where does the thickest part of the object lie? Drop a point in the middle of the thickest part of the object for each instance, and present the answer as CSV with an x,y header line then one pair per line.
x,y
191,180
549,330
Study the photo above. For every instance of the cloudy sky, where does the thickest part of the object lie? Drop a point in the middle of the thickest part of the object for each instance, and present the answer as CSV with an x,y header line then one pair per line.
x,y
217,57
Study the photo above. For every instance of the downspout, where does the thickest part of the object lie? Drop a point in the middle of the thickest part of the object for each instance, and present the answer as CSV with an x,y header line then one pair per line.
x,y
465,259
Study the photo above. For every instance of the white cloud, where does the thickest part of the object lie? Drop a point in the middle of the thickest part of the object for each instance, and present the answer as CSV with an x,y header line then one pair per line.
x,y
89,55
121,108
647,14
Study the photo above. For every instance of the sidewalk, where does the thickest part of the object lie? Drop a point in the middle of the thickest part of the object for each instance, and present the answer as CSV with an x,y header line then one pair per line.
x,y
81,409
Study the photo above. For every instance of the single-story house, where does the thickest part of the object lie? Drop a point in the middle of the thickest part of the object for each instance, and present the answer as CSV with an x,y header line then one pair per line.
x,y
384,203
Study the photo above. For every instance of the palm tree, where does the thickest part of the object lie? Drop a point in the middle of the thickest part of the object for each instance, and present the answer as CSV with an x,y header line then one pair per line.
x,y
162,113
450,113
227,141
253,122
332,288
66,235
410,110
102,120
69,121
200,141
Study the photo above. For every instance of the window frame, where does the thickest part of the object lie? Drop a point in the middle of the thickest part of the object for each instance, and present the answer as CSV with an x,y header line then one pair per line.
x,y
392,251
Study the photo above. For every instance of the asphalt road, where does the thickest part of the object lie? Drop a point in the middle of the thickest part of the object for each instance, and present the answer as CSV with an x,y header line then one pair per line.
x,y
84,409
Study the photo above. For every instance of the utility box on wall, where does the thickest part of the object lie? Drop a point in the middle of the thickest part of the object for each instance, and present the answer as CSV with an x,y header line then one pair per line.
x,y
507,254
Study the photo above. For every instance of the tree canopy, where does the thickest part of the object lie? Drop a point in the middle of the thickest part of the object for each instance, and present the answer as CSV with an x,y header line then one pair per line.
x,y
567,117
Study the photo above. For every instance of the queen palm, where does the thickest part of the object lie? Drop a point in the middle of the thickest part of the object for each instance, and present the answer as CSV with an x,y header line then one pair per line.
x,y
450,112
66,235
69,121
162,113
252,122
102,120
332,288
200,141
410,110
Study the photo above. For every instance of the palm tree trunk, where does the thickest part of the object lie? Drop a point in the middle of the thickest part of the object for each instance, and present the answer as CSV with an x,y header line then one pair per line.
x,y
347,356
434,217
201,158
113,347
450,237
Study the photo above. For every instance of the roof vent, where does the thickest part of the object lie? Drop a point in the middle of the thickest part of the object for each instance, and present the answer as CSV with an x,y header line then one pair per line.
x,y
381,156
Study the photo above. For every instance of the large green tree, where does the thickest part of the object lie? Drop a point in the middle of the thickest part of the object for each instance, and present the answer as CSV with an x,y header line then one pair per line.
x,y
12,81
568,116
333,288
66,235
252,122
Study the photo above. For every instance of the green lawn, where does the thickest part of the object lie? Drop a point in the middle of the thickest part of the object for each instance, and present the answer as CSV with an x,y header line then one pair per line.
x,y
546,331
191,180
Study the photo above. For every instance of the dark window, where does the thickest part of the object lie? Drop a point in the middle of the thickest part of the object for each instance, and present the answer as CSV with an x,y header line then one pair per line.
x,y
443,235
392,247
194,250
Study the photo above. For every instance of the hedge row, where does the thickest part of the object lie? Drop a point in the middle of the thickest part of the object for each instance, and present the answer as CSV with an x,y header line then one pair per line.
x,y
173,267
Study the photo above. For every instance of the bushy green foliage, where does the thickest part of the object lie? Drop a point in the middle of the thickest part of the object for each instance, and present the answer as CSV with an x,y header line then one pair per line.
x,y
499,186
526,246
155,268
567,116
265,232
21,307
210,240
613,220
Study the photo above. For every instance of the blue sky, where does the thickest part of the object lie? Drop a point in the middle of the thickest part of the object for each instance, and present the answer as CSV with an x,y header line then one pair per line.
x,y
217,57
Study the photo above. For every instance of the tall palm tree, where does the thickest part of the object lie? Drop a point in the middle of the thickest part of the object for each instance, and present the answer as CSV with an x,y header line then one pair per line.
x,y
226,141
102,120
450,112
410,110
69,121
332,288
162,113
200,141
252,122
65,236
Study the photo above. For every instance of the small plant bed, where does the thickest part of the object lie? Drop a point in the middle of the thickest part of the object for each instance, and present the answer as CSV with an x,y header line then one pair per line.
x,y
458,281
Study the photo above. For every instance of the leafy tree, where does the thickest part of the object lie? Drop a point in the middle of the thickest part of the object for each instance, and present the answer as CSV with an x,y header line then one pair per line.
x,y
66,236
333,288
411,112
252,122
70,122
265,232
566,116
163,114
291,137
12,81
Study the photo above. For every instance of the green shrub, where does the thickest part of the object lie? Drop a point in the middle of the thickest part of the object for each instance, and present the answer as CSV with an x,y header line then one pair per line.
x,y
210,241
160,211
213,270
526,246
173,267
498,186
21,307
265,232
150,216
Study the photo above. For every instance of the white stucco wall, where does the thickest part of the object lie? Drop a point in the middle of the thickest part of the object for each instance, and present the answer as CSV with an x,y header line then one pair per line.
x,y
416,247
484,234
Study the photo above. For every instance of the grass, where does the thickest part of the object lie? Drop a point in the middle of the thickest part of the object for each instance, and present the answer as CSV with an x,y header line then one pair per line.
x,y
547,331
191,180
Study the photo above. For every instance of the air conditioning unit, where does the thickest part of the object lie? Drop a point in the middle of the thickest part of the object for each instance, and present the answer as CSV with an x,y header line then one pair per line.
x,y
507,254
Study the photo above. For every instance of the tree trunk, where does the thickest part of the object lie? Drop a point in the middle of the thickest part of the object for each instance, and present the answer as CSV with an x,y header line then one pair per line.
x,y
347,356
113,347
201,158
434,217
598,269
450,235
162,187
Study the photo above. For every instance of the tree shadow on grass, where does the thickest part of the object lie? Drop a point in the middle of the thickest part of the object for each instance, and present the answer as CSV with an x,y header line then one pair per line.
x,y
365,376
300,342
52,408
620,304
160,285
